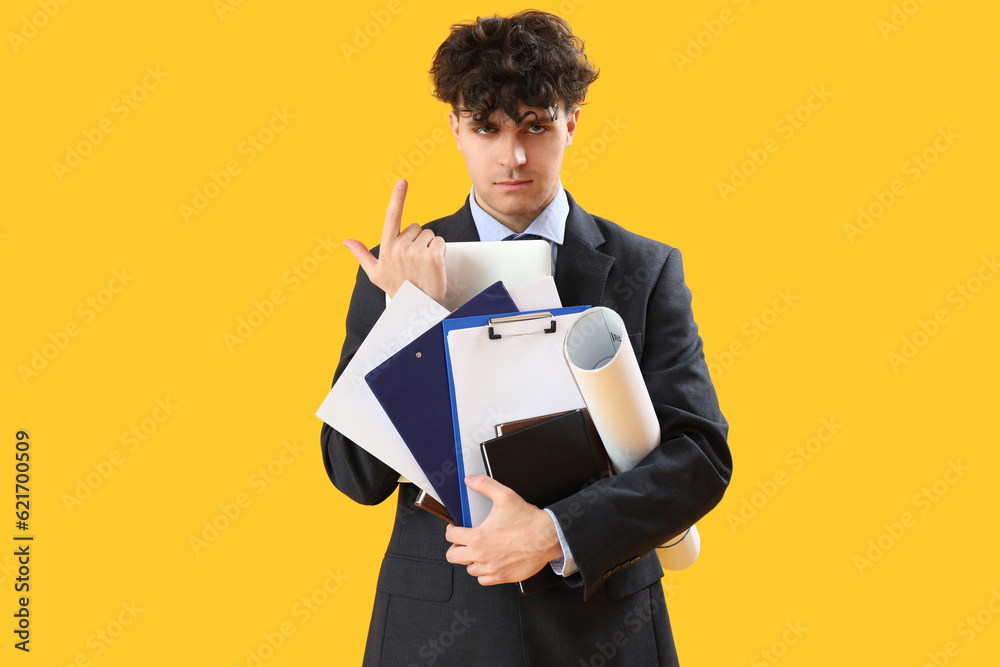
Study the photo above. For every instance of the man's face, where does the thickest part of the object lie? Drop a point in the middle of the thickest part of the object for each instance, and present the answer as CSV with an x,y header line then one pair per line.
x,y
515,170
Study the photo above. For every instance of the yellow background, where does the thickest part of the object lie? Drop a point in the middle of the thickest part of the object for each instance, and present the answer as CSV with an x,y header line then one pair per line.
x,y
660,138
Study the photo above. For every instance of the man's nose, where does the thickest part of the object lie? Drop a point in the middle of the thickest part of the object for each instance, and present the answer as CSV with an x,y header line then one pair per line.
x,y
511,153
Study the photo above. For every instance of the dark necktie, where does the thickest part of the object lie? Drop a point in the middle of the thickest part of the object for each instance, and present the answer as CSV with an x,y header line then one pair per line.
x,y
523,237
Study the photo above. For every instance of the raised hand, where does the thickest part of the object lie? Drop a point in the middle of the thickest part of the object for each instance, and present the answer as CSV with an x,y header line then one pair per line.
x,y
413,254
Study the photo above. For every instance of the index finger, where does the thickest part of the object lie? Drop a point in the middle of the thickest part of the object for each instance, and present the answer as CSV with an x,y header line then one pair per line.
x,y
394,214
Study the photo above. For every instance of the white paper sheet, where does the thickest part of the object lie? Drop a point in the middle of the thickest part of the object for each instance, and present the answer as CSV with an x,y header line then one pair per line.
x,y
352,409
537,294
607,373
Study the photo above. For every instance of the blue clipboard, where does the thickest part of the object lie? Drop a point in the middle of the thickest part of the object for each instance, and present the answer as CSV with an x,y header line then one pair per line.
x,y
494,334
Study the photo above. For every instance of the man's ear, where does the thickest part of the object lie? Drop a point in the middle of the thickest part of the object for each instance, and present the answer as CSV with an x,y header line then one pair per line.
x,y
571,118
453,120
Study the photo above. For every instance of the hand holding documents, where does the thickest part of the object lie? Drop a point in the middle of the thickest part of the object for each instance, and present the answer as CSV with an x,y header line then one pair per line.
x,y
545,460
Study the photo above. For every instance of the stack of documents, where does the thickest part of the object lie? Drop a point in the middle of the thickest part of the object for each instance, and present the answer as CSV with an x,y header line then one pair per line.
x,y
396,397
428,387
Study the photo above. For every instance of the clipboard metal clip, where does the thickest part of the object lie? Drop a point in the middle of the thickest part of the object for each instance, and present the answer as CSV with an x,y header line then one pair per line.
x,y
495,321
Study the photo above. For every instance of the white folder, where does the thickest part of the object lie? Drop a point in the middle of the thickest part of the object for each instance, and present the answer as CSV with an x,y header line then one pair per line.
x,y
504,373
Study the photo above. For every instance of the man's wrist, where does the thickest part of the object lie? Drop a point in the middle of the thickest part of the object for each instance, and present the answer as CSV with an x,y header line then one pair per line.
x,y
563,564
549,536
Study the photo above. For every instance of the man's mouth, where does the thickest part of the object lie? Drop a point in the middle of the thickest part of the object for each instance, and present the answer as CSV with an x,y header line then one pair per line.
x,y
512,186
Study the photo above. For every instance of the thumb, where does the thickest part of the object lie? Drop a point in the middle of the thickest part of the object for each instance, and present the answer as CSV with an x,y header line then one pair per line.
x,y
361,253
489,487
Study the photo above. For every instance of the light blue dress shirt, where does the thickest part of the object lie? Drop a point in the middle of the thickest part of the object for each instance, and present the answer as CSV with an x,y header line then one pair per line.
x,y
551,226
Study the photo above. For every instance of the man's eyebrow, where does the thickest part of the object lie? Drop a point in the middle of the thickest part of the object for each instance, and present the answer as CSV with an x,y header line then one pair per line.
x,y
537,120
528,117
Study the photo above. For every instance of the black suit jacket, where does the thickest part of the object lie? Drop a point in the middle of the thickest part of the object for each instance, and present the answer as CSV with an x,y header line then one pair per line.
x,y
428,611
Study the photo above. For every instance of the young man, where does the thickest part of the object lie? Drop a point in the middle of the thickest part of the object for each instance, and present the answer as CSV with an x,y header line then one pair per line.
x,y
515,85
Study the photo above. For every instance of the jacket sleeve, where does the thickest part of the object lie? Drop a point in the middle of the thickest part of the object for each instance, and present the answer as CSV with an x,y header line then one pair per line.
x,y
613,522
354,471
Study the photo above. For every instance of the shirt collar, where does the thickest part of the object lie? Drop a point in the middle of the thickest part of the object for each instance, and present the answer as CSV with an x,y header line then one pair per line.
x,y
550,223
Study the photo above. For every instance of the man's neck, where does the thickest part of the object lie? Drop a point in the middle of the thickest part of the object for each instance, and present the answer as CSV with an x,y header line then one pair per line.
x,y
515,223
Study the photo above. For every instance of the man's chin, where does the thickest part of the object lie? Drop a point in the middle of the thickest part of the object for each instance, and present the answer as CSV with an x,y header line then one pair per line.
x,y
520,204
515,209
523,198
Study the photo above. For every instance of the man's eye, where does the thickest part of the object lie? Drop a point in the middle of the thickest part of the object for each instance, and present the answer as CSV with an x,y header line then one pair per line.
x,y
484,130
536,129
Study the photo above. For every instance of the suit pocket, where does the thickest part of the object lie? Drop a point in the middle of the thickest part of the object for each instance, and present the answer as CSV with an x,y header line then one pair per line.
x,y
415,578
635,577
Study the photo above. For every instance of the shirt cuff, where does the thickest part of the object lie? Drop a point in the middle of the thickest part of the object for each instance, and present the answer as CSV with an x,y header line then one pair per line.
x,y
564,566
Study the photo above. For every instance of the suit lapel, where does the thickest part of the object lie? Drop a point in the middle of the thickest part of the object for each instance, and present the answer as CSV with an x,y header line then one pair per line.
x,y
460,227
581,269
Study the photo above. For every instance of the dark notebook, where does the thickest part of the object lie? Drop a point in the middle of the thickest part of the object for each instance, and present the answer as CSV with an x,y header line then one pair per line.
x,y
544,463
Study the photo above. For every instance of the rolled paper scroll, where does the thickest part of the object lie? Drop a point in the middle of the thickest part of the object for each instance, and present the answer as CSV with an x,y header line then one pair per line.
x,y
682,551
608,376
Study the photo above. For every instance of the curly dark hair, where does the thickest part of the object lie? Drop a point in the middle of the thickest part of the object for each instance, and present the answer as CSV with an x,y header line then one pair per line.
x,y
494,63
